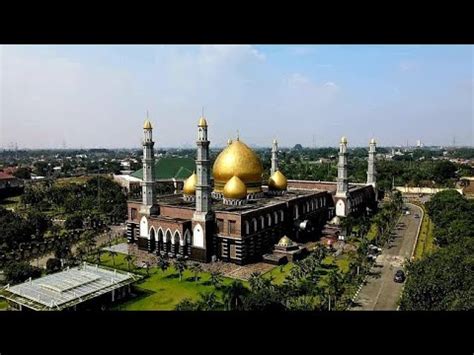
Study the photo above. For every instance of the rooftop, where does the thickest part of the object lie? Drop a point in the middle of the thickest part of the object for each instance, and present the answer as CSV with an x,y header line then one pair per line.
x,y
219,206
167,168
68,288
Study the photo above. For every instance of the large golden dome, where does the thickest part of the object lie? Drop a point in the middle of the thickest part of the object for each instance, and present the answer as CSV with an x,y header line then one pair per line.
x,y
277,181
235,189
237,159
189,187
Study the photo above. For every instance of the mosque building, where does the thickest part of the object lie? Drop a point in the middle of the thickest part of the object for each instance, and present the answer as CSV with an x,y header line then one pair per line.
x,y
228,213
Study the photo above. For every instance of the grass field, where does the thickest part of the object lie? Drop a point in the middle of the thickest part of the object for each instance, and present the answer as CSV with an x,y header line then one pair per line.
x,y
3,304
162,291
425,244
72,180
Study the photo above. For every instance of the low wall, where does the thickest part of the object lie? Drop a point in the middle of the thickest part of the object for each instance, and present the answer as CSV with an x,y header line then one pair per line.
x,y
423,190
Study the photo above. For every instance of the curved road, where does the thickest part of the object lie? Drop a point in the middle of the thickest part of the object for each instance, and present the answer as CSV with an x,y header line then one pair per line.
x,y
380,292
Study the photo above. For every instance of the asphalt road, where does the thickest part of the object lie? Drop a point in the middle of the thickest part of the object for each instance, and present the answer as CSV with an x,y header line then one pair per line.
x,y
380,292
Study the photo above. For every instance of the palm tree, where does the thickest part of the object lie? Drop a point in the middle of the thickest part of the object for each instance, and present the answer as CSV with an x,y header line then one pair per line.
x,y
129,258
216,279
163,263
335,286
180,266
208,302
196,268
234,295
112,254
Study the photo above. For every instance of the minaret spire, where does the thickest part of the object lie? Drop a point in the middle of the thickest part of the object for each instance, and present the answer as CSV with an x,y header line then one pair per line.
x,y
201,248
371,172
342,195
148,162
274,166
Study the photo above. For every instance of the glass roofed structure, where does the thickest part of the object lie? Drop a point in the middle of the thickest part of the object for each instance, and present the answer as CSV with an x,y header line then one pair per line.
x,y
68,288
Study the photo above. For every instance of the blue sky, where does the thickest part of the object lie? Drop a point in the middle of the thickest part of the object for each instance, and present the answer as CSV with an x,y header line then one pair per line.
x,y
97,96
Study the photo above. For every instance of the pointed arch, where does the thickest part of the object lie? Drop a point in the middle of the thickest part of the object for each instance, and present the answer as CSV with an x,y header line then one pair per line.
x,y
144,227
198,236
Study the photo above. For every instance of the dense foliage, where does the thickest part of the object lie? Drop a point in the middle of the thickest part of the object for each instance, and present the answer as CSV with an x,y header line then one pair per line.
x,y
97,196
445,279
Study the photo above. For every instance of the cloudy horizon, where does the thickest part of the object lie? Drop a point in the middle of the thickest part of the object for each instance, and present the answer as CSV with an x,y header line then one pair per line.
x,y
97,96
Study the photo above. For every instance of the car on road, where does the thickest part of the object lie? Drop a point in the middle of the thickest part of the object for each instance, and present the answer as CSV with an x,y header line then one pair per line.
x,y
416,215
374,249
399,276
407,212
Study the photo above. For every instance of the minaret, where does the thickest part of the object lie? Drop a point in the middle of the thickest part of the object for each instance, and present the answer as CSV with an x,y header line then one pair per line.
x,y
202,218
341,198
371,172
274,167
342,169
148,164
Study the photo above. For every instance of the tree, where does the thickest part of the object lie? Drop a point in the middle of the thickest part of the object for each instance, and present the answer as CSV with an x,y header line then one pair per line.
x,y
53,265
208,302
180,266
17,272
186,304
22,173
335,286
129,258
196,268
216,279
112,254
73,222
234,295
443,281
163,263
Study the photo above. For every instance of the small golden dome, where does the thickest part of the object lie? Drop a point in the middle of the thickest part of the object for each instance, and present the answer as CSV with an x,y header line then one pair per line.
x,y
343,140
147,125
277,181
372,141
189,187
235,189
202,122
237,159
285,242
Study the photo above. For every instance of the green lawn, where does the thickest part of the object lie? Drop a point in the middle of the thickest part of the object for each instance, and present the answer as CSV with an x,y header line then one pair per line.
x,y
162,291
3,304
279,273
425,244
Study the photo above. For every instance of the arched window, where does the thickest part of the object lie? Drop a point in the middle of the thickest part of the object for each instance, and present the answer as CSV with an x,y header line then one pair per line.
x,y
275,217
282,216
269,220
254,225
247,228
296,212
262,222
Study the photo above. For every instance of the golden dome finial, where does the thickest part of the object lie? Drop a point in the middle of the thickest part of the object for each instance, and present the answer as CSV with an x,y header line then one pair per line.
x,y
277,181
343,140
235,189
147,125
189,187
285,242
372,141
202,122
238,136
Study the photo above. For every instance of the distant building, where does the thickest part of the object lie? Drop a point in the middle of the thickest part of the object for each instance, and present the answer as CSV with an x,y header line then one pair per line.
x,y
10,185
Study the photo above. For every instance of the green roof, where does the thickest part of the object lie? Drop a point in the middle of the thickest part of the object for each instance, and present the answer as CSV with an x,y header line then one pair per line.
x,y
168,168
